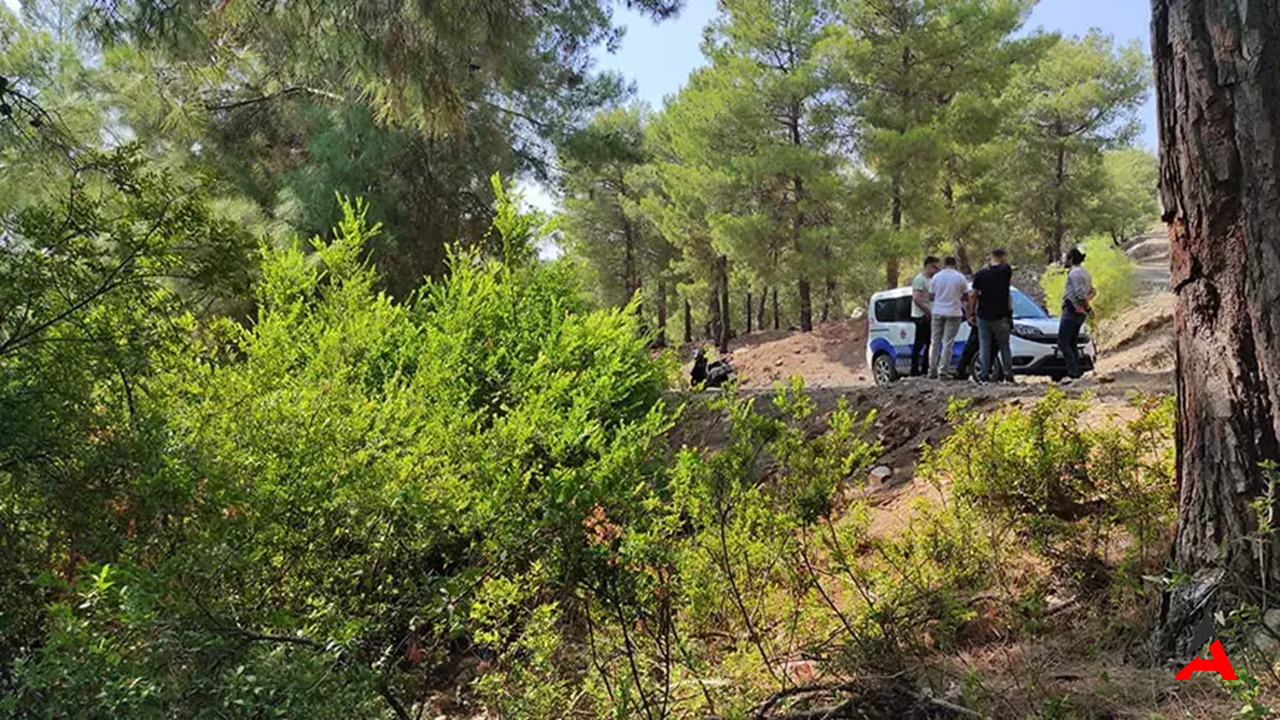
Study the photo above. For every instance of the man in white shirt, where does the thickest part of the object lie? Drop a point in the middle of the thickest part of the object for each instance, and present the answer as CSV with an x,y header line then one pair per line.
x,y
949,289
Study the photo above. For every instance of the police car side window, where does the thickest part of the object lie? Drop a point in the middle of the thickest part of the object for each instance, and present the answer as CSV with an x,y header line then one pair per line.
x,y
893,310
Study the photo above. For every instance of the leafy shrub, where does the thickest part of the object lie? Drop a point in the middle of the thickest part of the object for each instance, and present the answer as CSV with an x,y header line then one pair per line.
x,y
333,484
1045,474
1115,277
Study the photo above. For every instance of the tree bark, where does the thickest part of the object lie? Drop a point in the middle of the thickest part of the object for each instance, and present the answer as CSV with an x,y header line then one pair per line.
x,y
661,339
962,258
1218,86
713,307
764,296
776,322
630,278
891,270
806,307
831,306
726,325
749,313
688,322
1053,249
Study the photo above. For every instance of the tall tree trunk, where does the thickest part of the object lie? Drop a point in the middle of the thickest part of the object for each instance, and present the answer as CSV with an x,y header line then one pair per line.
x,y
1218,85
688,322
713,307
777,324
764,296
962,258
1053,249
661,339
797,225
891,270
726,325
749,313
806,306
959,234
630,278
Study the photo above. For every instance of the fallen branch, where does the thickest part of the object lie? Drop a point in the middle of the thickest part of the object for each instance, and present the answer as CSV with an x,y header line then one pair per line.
x,y
849,704
772,701
938,702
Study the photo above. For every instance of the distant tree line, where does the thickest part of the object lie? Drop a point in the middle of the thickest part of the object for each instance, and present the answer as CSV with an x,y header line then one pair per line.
x,y
826,146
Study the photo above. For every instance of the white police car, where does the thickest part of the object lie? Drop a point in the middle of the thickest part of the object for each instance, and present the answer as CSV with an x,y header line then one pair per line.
x,y
891,332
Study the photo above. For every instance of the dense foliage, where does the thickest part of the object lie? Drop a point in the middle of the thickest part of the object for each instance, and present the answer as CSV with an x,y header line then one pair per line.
x,y
414,105
410,466
244,515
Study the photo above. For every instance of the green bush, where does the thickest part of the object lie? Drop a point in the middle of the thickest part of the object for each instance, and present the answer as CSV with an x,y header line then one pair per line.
x,y
1045,474
1115,277
323,492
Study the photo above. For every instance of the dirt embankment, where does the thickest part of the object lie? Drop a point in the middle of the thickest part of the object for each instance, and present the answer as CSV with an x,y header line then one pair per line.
x,y
833,355
1140,340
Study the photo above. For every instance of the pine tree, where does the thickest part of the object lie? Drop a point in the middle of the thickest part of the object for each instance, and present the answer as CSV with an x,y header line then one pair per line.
x,y
682,193
906,63
605,176
772,145
1077,101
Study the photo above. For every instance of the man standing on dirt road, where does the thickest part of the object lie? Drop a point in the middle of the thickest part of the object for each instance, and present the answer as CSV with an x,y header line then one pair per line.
x,y
1076,299
991,303
921,315
948,288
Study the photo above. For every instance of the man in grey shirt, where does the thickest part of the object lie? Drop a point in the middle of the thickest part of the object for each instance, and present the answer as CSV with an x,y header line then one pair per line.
x,y
1077,299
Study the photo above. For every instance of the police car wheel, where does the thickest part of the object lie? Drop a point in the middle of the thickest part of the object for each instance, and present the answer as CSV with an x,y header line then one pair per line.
x,y
885,371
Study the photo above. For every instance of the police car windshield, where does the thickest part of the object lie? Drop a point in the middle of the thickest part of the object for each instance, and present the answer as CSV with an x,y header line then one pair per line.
x,y
1024,308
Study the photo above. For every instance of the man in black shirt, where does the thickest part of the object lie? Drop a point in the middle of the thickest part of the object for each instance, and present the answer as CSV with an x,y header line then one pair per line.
x,y
991,303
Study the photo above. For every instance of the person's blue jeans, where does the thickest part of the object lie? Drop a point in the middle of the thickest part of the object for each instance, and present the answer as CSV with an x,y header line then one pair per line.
x,y
993,337
1069,338
920,346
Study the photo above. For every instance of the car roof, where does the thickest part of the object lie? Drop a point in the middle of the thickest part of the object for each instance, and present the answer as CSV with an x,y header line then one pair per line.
x,y
903,292
894,293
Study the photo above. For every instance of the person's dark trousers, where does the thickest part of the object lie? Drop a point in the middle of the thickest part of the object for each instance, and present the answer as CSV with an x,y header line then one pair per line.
x,y
920,347
1069,338
994,336
969,354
